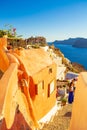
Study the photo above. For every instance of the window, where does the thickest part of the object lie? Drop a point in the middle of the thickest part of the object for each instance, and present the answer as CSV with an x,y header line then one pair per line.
x,y
50,70
40,87
51,88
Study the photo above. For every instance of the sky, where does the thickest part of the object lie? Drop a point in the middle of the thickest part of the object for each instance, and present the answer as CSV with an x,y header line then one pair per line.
x,y
52,19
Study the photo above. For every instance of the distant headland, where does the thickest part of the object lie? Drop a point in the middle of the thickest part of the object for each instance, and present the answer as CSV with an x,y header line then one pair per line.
x,y
75,42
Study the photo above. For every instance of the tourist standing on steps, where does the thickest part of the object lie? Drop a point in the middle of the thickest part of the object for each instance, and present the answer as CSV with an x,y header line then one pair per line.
x,y
71,93
74,83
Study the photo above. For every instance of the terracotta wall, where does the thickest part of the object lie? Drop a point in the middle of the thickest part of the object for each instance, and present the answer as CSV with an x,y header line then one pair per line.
x,y
14,109
43,103
4,62
18,124
79,111
3,42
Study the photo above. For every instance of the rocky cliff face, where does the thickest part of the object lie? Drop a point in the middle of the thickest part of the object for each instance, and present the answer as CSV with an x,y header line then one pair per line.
x,y
74,67
78,67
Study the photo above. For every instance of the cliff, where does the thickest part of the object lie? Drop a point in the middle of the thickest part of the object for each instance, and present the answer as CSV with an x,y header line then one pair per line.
x,y
74,67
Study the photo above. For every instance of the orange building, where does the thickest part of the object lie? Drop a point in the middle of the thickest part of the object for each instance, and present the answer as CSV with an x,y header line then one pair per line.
x,y
29,83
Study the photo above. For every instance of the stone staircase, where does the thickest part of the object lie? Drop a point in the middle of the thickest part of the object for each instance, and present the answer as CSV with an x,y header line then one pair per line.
x,y
61,120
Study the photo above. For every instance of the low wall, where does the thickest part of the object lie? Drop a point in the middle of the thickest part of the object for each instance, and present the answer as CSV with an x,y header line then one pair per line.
x,y
3,42
79,110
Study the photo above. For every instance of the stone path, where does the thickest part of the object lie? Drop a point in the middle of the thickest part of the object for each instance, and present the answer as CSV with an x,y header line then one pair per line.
x,y
61,120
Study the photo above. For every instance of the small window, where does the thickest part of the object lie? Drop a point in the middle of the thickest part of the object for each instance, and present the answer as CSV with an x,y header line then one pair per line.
x,y
51,88
40,87
50,70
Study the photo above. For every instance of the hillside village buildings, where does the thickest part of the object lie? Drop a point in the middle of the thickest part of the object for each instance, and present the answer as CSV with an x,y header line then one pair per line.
x,y
28,84
58,60
28,88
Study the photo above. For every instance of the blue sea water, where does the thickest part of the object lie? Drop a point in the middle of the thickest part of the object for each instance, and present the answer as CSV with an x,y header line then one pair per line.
x,y
78,55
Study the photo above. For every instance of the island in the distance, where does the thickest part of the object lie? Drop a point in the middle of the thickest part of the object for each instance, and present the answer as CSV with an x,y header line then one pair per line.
x,y
75,42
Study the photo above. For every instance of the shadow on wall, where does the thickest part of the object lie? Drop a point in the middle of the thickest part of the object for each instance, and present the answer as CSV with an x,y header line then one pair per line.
x,y
32,88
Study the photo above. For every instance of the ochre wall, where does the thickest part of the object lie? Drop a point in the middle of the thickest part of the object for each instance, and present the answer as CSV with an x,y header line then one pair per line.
x,y
15,113
3,42
4,62
79,111
42,102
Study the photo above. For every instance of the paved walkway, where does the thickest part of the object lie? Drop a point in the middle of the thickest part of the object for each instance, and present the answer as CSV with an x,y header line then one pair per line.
x,y
61,120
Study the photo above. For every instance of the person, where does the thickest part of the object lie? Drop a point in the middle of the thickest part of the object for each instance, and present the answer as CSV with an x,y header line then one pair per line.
x,y
71,93
74,83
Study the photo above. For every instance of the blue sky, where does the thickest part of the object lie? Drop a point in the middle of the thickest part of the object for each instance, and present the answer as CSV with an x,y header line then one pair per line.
x,y
53,19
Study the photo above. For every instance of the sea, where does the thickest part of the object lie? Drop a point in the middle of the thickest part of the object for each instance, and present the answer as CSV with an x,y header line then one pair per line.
x,y
78,55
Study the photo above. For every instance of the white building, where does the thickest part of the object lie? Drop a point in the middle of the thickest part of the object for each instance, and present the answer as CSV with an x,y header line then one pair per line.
x,y
58,60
